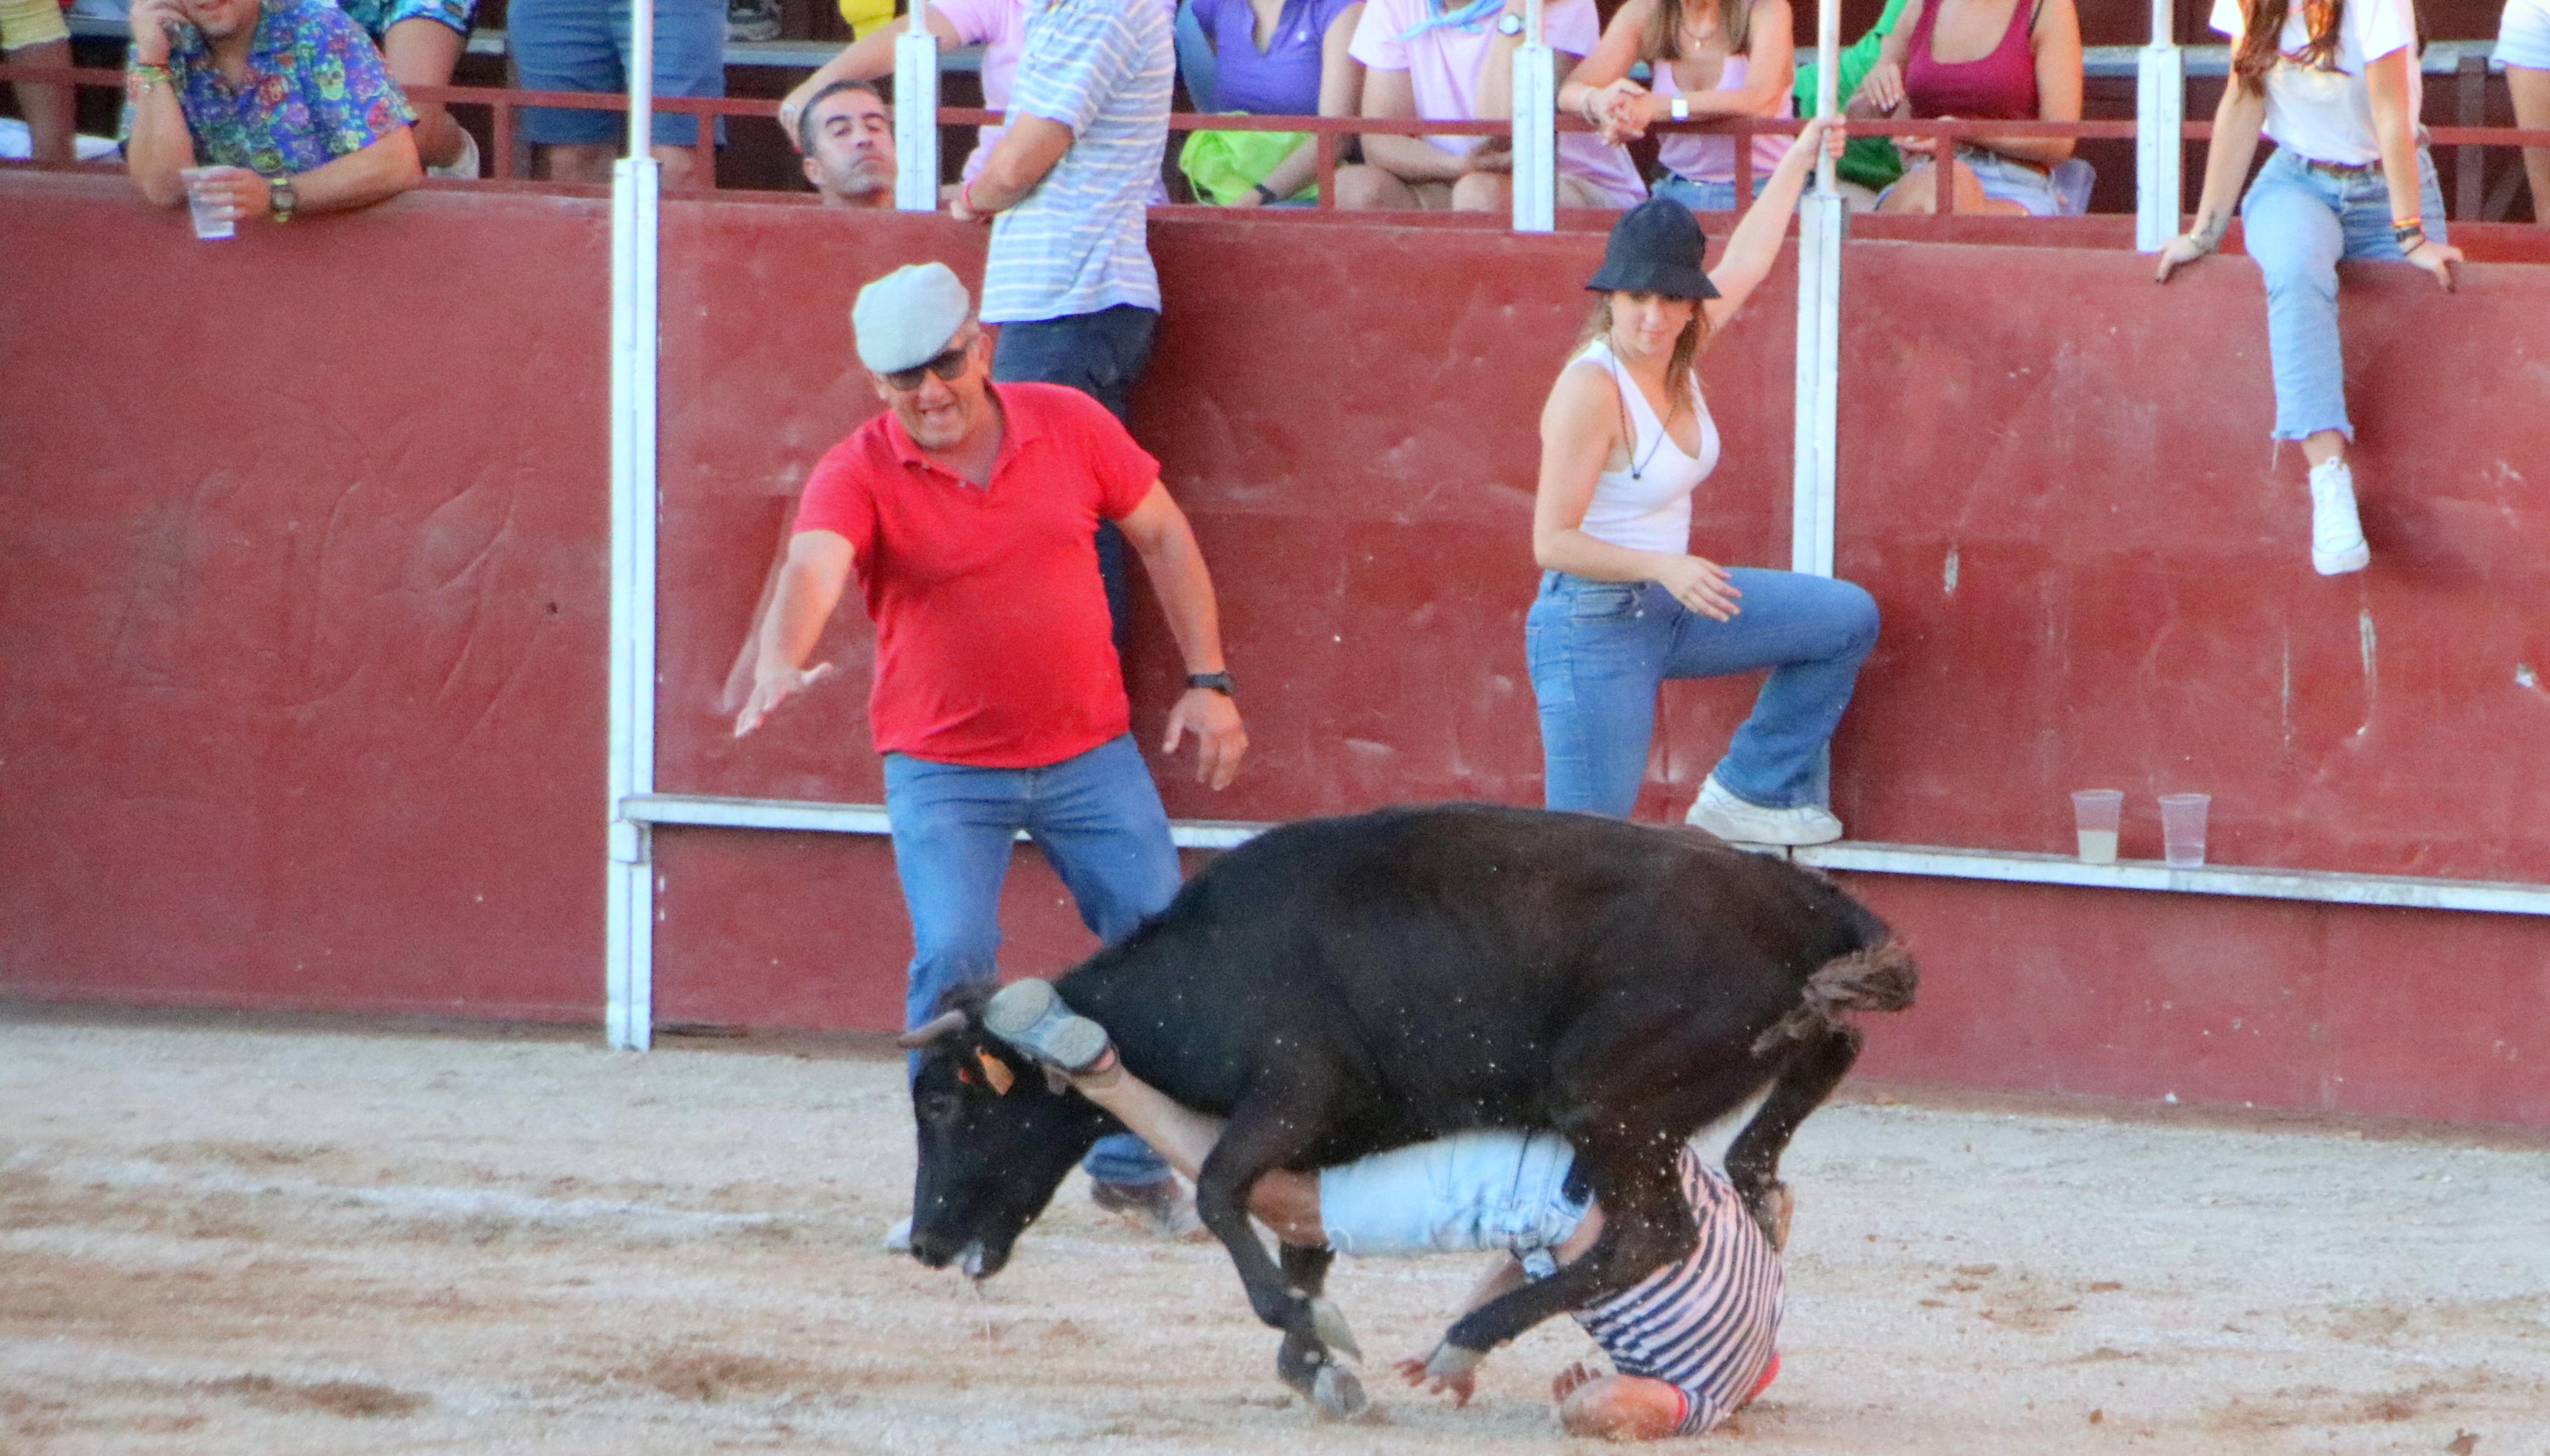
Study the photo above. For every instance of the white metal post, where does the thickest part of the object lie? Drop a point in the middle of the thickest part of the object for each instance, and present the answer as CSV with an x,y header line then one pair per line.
x,y
2160,110
915,115
1536,129
636,187
1818,381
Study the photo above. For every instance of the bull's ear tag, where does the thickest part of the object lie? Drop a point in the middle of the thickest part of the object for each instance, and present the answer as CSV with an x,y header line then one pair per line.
x,y
996,1072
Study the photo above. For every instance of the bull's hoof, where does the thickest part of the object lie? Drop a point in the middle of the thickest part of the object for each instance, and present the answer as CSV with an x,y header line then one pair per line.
x,y
1297,1365
1338,1393
1329,1324
1450,1361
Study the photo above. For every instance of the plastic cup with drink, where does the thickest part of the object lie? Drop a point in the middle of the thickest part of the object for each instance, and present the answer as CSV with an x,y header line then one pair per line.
x,y
214,218
2182,828
2096,814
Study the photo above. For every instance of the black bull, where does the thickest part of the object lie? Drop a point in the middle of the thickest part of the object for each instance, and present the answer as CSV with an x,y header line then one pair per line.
x,y
1342,987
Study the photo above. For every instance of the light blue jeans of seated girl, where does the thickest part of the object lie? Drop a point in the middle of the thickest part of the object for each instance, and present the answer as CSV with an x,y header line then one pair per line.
x,y
1598,650
1470,1191
2298,223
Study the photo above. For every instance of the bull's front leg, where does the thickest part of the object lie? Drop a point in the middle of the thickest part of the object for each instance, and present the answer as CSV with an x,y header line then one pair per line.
x,y
1315,1333
1646,1224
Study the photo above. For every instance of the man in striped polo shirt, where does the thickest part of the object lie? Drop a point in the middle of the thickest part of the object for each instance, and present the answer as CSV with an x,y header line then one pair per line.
x,y
1690,1344
1069,278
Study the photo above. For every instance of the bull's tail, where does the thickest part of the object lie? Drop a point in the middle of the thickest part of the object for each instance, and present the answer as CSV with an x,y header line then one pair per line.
x,y
1881,979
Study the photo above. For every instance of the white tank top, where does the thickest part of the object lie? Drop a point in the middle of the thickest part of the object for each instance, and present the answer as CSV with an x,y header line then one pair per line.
x,y
1651,510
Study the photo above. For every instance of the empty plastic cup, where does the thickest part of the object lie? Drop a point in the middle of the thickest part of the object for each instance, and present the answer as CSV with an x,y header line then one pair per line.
x,y
213,220
2182,828
2095,815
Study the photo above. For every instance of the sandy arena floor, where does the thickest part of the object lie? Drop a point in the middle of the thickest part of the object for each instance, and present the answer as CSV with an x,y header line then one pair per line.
x,y
220,1238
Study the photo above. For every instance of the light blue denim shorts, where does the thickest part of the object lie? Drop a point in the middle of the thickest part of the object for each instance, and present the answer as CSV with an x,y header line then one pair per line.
x,y
1470,1191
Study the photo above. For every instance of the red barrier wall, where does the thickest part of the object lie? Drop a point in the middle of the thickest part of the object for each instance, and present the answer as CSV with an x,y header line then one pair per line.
x,y
1348,412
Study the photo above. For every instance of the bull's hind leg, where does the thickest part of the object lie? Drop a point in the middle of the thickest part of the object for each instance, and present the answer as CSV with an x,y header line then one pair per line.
x,y
1813,1069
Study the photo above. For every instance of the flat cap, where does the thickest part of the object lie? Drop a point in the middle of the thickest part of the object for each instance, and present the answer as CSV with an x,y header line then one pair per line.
x,y
905,319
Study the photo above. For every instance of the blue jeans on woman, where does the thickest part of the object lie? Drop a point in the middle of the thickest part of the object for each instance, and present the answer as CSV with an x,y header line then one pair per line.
x,y
2298,222
1098,819
1598,650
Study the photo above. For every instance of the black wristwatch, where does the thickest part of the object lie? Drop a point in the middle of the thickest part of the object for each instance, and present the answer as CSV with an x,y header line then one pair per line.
x,y
1220,682
1266,194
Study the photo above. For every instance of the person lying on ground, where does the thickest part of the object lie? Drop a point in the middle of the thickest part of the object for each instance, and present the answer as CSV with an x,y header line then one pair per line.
x,y
1690,1345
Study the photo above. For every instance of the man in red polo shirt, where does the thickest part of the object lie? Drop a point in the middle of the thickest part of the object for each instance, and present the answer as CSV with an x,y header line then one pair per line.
x,y
968,510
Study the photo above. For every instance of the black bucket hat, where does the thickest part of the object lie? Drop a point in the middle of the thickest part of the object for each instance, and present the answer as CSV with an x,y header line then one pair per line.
x,y
1654,248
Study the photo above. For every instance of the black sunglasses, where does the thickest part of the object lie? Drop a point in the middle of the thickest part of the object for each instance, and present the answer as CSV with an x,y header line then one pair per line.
x,y
946,366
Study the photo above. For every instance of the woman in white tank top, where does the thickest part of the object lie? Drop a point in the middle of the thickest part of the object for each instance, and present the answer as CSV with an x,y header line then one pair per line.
x,y
1623,604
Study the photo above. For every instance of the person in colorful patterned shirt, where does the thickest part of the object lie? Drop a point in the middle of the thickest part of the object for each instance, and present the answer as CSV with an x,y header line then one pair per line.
x,y
422,40
288,101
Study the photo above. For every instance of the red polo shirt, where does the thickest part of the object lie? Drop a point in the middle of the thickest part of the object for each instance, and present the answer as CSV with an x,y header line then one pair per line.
x,y
993,642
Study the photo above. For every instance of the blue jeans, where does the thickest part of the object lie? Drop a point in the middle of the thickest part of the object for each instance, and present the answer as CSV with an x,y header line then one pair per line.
x,y
583,45
1598,650
1700,197
2298,222
1098,820
1101,355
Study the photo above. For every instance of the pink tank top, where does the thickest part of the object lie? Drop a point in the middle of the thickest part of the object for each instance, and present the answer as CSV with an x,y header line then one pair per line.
x,y
1712,159
2001,87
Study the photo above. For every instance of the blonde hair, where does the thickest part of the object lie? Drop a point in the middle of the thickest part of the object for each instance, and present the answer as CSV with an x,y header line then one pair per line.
x,y
1687,348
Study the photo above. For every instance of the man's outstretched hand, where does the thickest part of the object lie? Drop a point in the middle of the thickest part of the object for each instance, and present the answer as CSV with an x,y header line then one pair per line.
x,y
768,692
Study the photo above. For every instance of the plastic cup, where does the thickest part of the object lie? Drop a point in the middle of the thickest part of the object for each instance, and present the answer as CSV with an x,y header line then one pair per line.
x,y
213,220
2096,814
2182,828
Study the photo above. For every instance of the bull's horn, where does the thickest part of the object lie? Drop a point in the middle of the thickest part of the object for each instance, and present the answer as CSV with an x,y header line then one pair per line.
x,y
945,1023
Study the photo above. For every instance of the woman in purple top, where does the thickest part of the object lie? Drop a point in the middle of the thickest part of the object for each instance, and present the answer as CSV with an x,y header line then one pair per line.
x,y
2017,61
1284,58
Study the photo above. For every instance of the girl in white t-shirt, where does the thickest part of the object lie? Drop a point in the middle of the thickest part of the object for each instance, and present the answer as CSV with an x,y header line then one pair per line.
x,y
1708,59
2335,84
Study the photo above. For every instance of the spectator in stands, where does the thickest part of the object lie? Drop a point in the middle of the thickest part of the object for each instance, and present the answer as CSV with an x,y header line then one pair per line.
x,y
2021,61
1425,60
32,33
1623,604
583,46
287,100
2338,91
1869,164
846,136
997,701
1709,59
423,39
998,26
2523,48
1066,189
1282,57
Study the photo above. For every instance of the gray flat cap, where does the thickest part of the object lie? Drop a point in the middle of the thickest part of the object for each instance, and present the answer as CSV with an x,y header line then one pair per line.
x,y
905,318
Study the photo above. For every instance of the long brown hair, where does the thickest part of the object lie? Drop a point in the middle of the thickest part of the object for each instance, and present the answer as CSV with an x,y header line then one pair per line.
x,y
2261,30
1687,348
1662,38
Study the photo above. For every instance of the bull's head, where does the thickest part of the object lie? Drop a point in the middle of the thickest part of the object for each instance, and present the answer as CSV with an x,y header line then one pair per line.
x,y
997,1138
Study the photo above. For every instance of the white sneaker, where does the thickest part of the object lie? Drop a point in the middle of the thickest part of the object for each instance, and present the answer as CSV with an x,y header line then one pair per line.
x,y
1729,818
463,165
2337,537
898,1239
